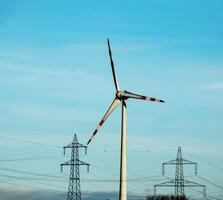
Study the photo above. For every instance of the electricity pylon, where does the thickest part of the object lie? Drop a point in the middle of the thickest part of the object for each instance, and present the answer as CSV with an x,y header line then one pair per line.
x,y
179,183
74,189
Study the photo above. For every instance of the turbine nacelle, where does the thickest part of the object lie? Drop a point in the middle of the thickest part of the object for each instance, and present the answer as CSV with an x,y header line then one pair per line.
x,y
120,95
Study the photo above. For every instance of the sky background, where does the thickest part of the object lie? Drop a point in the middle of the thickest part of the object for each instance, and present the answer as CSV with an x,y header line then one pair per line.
x,y
56,80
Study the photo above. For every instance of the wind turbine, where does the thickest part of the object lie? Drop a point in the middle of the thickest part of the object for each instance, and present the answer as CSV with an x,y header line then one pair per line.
x,y
121,96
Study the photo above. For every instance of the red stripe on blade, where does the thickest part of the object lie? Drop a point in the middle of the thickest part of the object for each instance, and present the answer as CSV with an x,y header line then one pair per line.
x,y
102,122
95,132
143,97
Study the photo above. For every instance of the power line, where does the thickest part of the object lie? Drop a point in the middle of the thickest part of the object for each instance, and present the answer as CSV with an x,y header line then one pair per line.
x,y
30,158
20,140
205,161
28,186
218,186
24,179
29,173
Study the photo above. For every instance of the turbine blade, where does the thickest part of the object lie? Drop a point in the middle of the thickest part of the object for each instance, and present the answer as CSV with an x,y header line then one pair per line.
x,y
112,107
141,97
113,68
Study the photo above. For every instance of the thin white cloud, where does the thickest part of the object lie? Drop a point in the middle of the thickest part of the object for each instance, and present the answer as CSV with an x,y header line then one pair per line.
x,y
215,86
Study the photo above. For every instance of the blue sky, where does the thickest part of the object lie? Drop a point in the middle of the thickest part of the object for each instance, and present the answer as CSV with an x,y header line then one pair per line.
x,y
55,80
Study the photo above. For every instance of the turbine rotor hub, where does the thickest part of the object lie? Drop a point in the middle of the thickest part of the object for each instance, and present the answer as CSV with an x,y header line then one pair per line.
x,y
119,94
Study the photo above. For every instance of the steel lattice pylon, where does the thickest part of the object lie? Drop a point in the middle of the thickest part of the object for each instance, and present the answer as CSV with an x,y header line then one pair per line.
x,y
179,183
179,176
74,189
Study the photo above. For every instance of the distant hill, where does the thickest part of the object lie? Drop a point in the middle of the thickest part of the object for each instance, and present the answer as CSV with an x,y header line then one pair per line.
x,y
11,194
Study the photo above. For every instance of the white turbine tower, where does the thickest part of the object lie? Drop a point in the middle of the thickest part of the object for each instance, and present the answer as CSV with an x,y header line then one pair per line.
x,y
121,96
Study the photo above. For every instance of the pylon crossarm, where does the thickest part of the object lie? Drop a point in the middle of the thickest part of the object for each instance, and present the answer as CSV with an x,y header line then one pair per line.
x,y
61,167
187,162
64,150
192,184
166,184
67,163
81,145
74,145
83,163
171,162
85,150
65,147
